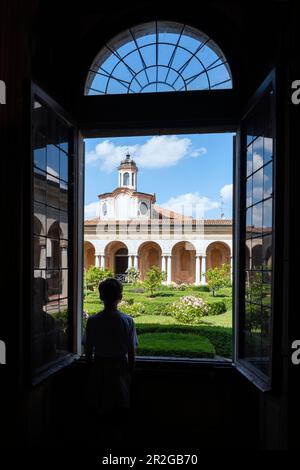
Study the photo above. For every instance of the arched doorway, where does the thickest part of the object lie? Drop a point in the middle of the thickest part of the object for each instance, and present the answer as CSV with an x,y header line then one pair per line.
x,y
183,263
149,255
217,253
89,255
116,256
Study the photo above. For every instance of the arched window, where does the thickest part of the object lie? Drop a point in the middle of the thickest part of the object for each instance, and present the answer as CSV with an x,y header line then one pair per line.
x,y
158,56
126,179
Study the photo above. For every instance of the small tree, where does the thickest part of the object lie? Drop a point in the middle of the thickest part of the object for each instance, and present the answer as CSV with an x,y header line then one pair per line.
x,y
218,277
132,275
154,278
94,275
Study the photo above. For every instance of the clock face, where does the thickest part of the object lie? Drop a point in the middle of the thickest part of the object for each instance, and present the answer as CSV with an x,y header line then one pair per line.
x,y
143,208
104,209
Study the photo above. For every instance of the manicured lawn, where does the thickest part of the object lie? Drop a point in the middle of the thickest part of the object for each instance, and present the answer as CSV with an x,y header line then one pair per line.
x,y
163,335
175,344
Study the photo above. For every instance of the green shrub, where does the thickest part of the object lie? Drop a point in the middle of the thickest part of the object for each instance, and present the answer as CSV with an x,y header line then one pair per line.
x,y
134,309
154,278
217,308
93,276
218,277
189,309
200,288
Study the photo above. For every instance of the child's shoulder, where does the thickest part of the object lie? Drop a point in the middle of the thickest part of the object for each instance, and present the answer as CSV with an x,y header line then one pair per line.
x,y
125,316
94,316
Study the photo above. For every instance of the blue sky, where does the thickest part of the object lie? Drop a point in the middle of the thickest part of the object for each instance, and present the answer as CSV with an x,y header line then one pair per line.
x,y
186,171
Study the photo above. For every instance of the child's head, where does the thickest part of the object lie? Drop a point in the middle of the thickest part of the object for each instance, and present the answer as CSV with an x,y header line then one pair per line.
x,y
110,291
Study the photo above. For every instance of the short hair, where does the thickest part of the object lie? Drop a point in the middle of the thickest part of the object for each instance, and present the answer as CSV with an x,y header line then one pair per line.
x,y
110,290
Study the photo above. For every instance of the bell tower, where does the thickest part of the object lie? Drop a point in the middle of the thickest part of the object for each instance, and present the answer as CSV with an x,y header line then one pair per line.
x,y
128,173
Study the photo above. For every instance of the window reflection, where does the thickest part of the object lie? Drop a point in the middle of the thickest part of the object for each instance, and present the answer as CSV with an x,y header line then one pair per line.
x,y
50,243
259,223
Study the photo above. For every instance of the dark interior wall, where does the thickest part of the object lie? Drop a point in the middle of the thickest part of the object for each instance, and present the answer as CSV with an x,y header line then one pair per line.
x,y
54,43
64,45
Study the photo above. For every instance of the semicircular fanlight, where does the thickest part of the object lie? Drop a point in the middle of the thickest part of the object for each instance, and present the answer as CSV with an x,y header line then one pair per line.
x,y
158,57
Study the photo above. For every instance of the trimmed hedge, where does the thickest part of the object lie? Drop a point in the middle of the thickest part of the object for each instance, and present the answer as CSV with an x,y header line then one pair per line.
x,y
217,308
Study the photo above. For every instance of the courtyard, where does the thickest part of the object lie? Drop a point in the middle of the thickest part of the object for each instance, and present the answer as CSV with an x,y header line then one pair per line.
x,y
161,334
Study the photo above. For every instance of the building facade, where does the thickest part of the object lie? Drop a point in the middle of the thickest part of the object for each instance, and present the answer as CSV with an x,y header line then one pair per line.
x,y
132,231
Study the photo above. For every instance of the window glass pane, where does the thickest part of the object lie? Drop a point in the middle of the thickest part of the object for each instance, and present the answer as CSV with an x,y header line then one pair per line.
x,y
255,337
63,196
268,180
249,191
53,192
39,252
258,186
40,186
39,219
40,158
257,259
64,283
53,225
53,160
258,159
64,225
267,251
268,149
50,226
257,215
63,172
267,216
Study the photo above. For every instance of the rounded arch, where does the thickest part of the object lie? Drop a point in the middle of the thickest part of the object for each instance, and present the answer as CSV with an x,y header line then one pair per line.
x,y
116,256
257,259
89,255
158,56
217,253
38,228
183,262
149,254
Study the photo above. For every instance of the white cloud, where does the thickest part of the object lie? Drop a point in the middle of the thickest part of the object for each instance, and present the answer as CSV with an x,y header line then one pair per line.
x,y
190,204
91,211
197,152
226,192
157,152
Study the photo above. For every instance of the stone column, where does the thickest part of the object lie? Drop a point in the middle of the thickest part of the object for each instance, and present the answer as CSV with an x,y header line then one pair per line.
x,y
136,262
130,261
102,261
164,263
203,270
198,271
97,261
169,270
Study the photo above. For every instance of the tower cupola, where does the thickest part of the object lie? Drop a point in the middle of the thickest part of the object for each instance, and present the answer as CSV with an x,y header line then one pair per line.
x,y
128,173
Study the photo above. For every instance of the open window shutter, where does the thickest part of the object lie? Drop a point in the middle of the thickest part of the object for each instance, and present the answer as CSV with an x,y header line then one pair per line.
x,y
56,233
255,262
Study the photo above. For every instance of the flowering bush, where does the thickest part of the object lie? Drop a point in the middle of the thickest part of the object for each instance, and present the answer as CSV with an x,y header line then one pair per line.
x,y
134,309
181,286
189,309
132,276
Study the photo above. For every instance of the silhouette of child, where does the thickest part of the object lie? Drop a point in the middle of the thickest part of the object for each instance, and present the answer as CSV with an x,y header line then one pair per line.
x,y
110,345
